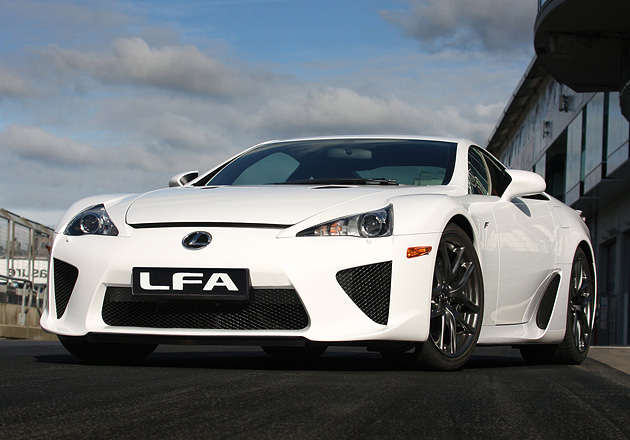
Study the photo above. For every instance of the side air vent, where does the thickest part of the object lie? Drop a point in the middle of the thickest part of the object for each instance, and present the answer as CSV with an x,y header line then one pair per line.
x,y
369,287
65,278
546,303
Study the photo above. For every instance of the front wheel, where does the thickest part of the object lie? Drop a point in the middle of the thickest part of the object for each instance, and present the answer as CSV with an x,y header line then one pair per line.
x,y
105,352
456,303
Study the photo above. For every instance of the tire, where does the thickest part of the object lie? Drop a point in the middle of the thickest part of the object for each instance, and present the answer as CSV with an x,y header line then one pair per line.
x,y
105,352
456,304
581,309
308,352
574,348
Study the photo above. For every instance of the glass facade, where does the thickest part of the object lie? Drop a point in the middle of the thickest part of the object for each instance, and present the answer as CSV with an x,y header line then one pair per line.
x,y
593,142
575,148
618,133
612,325
597,145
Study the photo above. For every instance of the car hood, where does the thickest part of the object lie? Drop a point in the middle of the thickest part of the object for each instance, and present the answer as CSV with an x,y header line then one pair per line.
x,y
272,205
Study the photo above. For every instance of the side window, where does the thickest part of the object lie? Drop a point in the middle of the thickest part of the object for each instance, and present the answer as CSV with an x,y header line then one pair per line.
x,y
486,175
271,169
478,174
499,179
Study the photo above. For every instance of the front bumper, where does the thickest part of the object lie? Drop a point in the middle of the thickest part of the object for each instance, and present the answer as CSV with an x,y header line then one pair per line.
x,y
308,266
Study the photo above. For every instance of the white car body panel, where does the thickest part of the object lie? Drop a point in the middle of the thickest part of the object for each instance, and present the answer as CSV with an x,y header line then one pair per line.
x,y
520,244
527,241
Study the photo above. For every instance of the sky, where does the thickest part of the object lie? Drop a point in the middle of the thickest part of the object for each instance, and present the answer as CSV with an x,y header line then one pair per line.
x,y
109,97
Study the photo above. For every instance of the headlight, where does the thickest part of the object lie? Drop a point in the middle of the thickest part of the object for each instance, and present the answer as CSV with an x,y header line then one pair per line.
x,y
369,225
92,221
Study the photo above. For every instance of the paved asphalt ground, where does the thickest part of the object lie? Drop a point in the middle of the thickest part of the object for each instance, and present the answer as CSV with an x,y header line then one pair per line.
x,y
227,392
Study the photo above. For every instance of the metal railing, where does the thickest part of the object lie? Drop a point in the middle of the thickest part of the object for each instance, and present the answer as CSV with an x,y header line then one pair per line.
x,y
22,292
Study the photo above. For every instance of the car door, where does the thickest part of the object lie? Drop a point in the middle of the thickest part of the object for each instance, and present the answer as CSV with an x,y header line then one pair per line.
x,y
522,248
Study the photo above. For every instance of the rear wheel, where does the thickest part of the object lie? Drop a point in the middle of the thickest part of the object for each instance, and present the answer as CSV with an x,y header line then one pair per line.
x,y
456,303
581,308
105,352
574,348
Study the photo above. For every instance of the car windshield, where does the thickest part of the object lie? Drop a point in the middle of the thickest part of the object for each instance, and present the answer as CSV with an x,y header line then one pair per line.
x,y
343,161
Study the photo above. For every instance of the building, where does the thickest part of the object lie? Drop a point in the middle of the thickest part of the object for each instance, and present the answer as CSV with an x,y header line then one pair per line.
x,y
585,44
569,126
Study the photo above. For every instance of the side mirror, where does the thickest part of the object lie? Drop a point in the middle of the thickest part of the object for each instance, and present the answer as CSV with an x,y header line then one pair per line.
x,y
524,183
183,178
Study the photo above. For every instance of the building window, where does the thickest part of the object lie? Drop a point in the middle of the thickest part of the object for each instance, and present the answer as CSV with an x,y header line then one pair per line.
x,y
574,159
618,133
607,294
540,167
555,161
624,314
593,142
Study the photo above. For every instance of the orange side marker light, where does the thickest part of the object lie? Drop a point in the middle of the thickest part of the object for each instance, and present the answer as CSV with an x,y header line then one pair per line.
x,y
418,251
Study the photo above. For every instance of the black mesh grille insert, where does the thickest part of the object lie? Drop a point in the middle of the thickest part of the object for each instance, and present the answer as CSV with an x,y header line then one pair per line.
x,y
269,309
369,288
546,303
65,279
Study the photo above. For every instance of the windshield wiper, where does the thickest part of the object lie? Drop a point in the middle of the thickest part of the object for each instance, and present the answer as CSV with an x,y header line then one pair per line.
x,y
341,180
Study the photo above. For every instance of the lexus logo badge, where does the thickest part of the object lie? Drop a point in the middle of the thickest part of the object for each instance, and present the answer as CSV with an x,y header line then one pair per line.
x,y
197,240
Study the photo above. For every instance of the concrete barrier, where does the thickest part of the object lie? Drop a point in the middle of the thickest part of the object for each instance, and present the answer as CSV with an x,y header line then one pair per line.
x,y
10,326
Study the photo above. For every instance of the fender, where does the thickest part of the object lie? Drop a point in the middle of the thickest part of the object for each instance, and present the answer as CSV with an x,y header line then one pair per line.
x,y
430,213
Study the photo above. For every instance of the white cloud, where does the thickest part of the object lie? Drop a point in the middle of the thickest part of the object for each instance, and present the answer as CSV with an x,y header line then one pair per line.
x,y
11,85
486,25
327,110
182,133
35,144
175,67
133,61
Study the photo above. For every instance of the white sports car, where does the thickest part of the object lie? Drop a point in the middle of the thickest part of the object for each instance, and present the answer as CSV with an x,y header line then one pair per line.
x,y
419,248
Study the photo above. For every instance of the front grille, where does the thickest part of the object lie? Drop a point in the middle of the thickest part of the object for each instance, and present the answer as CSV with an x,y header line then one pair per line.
x,y
268,309
547,302
369,287
65,279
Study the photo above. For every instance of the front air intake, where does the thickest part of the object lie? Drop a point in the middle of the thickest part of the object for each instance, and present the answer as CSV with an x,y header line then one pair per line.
x,y
269,309
65,278
369,288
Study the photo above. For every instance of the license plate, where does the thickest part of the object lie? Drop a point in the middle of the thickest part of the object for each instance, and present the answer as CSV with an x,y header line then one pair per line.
x,y
218,284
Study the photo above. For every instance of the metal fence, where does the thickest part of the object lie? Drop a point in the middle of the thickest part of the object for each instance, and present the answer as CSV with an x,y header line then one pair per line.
x,y
23,265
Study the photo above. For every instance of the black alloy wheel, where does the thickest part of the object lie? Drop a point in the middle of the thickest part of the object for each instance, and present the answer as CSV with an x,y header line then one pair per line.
x,y
456,303
580,314
574,348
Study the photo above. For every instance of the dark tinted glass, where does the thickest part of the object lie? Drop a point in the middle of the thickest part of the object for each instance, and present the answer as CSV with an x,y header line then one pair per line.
x,y
478,179
408,162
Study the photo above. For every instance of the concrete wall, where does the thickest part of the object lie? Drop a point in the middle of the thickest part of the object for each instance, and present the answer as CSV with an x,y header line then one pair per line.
x,y
10,326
